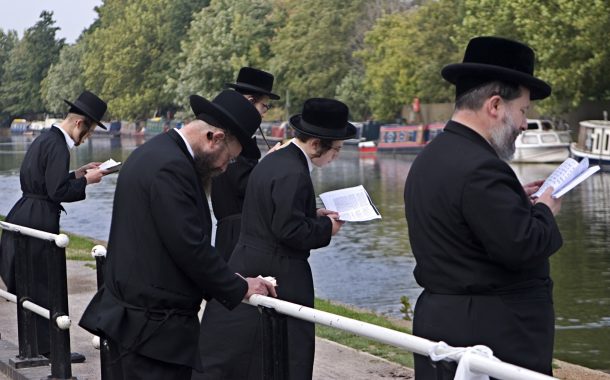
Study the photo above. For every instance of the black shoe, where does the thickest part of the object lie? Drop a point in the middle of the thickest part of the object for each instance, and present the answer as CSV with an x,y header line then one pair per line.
x,y
75,357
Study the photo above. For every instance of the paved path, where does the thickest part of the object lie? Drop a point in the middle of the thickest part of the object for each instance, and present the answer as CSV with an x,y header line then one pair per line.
x,y
333,361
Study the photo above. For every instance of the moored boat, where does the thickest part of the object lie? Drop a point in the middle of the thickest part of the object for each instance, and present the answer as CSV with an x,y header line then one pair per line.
x,y
408,139
593,142
542,142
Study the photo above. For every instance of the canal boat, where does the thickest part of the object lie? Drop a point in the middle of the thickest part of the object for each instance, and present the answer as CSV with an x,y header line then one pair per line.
x,y
407,139
593,142
542,143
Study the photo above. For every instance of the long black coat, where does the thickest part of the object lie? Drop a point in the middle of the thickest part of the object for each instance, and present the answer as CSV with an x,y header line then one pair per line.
x,y
228,194
481,250
45,183
279,228
160,262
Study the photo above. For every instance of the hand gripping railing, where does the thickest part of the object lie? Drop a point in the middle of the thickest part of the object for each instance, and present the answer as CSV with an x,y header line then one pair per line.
x,y
477,363
59,321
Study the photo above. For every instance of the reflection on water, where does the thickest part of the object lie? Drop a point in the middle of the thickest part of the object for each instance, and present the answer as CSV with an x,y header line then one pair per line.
x,y
370,264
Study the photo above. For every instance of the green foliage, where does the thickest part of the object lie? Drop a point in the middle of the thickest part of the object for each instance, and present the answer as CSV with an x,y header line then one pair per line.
x,y
222,38
133,50
64,79
27,65
406,308
404,53
8,41
313,48
388,352
353,92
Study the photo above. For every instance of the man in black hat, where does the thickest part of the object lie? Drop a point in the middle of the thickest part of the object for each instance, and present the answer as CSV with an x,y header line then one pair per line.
x,y
481,244
160,263
229,188
46,182
280,225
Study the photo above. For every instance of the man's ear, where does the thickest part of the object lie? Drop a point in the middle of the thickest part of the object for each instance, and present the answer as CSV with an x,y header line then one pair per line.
x,y
492,106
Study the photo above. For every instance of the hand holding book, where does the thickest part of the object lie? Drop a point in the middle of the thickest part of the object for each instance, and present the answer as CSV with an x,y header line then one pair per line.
x,y
569,174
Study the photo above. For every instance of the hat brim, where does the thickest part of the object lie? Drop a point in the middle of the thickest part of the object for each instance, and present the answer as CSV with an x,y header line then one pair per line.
x,y
297,122
219,117
539,89
86,113
253,89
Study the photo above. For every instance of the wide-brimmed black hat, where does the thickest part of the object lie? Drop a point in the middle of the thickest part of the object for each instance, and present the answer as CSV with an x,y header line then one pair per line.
x,y
254,81
325,119
88,104
229,110
493,58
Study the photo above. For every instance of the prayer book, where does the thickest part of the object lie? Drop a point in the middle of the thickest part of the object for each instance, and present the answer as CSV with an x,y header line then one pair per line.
x,y
110,165
353,204
569,174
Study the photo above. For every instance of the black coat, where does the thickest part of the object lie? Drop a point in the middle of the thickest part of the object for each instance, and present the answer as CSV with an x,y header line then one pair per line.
x,y
160,262
45,183
228,194
279,228
481,251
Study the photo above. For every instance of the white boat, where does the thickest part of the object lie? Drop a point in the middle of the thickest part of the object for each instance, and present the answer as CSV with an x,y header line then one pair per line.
x,y
593,141
541,142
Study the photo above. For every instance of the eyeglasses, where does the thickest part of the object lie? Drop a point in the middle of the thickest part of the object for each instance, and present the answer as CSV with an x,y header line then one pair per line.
x,y
254,101
336,148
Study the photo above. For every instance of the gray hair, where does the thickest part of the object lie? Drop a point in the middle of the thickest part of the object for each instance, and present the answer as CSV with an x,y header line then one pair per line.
x,y
474,98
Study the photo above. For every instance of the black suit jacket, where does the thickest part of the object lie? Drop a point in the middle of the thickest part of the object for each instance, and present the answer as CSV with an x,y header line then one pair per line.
x,y
160,261
471,226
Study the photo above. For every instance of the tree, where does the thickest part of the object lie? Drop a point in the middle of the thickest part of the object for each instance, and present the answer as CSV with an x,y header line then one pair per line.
x,y
353,92
133,49
222,38
64,79
27,65
8,41
312,50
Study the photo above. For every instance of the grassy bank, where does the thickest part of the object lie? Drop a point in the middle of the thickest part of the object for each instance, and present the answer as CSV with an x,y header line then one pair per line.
x,y
80,249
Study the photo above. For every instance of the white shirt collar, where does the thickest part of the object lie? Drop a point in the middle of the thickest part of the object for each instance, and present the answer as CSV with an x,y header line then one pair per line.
x,y
309,163
188,146
69,140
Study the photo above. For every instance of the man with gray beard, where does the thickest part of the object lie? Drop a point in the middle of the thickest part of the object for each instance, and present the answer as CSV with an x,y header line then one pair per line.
x,y
481,244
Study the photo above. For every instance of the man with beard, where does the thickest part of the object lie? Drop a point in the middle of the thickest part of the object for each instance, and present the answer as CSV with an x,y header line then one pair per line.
x,y
46,183
481,244
160,263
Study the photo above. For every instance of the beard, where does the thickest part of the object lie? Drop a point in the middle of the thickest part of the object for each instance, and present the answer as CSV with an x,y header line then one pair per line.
x,y
503,138
204,165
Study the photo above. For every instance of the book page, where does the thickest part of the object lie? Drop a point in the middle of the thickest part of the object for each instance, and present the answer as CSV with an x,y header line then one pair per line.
x,y
353,204
584,175
568,170
110,165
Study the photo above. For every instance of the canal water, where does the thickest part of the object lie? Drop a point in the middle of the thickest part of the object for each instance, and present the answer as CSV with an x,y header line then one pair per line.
x,y
370,264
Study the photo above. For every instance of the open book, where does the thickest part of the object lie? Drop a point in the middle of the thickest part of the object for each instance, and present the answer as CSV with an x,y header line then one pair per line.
x,y
110,165
353,204
569,174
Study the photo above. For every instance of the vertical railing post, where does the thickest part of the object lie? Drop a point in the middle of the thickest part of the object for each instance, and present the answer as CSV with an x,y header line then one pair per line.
x,y
99,253
26,323
275,348
61,367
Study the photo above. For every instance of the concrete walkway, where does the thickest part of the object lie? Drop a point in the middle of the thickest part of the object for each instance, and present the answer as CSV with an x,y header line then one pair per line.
x,y
333,361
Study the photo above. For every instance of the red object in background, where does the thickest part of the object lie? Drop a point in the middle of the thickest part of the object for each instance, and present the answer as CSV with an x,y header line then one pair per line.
x,y
415,105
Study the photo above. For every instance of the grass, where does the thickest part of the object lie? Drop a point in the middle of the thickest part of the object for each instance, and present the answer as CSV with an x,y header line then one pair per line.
x,y
80,249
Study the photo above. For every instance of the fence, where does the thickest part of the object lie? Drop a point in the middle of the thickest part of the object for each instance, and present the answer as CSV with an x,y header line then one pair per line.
x,y
59,321
275,357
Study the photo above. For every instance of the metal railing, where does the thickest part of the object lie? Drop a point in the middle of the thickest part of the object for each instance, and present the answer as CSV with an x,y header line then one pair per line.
x,y
275,356
59,321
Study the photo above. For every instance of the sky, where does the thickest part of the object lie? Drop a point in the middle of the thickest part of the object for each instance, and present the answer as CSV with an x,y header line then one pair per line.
x,y
72,16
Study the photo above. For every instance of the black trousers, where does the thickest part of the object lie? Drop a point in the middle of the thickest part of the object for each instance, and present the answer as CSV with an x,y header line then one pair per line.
x,y
519,328
129,365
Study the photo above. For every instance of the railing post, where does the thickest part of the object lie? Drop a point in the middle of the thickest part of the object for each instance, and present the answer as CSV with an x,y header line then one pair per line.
x,y
26,323
275,348
99,253
61,367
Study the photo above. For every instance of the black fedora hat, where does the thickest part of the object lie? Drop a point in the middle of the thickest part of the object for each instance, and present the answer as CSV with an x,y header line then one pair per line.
x,y
229,110
88,104
493,58
325,119
254,81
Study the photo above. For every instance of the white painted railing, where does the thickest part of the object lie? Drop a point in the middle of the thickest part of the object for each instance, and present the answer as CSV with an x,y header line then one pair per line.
x,y
477,363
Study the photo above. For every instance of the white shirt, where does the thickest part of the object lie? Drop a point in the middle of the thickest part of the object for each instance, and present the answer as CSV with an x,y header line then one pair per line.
x,y
69,140
309,163
188,146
